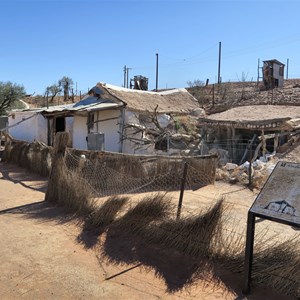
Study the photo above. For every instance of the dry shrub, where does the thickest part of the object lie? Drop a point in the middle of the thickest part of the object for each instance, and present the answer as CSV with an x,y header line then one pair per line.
x,y
106,213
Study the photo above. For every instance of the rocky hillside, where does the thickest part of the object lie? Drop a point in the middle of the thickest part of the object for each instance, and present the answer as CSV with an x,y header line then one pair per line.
x,y
216,98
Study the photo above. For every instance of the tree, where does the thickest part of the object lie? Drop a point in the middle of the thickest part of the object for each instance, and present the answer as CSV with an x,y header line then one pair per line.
x,y
149,132
66,83
195,83
53,90
10,93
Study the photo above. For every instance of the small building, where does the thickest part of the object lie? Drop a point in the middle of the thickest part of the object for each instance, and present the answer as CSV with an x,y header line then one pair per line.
x,y
273,74
80,120
111,118
140,107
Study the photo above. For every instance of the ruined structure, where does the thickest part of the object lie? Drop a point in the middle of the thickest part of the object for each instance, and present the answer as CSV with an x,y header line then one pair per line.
x,y
250,131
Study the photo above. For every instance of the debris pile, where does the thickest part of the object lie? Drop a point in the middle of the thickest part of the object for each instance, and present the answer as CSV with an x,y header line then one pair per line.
x,y
260,170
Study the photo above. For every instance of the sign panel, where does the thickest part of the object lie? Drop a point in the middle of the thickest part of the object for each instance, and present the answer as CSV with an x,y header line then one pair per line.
x,y
280,197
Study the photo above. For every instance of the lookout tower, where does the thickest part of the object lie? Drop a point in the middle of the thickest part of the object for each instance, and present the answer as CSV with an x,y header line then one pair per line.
x,y
273,73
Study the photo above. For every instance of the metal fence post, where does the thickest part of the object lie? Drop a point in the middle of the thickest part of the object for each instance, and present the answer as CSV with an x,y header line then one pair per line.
x,y
249,252
250,166
183,180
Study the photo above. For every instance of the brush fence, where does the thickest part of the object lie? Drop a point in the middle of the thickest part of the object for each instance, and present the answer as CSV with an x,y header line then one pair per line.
x,y
115,174
34,156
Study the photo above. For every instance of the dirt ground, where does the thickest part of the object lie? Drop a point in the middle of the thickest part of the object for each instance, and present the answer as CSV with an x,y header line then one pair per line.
x,y
41,258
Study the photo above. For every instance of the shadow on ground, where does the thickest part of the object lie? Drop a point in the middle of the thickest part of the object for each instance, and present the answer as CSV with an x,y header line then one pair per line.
x,y
177,270
42,211
22,177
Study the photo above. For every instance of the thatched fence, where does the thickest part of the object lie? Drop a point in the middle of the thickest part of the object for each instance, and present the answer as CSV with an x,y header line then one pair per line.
x,y
36,156
105,170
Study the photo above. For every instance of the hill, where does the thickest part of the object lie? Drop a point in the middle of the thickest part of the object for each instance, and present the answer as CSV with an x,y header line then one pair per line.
x,y
217,98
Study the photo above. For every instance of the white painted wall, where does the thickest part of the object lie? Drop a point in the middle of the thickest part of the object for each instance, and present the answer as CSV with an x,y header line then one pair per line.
x,y
80,132
110,128
33,126
69,129
41,129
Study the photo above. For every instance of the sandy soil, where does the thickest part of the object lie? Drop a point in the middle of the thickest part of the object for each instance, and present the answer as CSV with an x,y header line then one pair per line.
x,y
41,258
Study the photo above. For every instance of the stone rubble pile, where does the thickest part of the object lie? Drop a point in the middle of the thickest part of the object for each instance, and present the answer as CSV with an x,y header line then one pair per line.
x,y
260,171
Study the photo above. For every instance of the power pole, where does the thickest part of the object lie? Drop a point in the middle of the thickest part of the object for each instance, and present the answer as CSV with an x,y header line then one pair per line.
x,y
258,63
219,64
125,71
156,86
47,99
287,69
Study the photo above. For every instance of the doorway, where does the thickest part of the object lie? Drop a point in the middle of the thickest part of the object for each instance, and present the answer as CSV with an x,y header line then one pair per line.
x,y
60,124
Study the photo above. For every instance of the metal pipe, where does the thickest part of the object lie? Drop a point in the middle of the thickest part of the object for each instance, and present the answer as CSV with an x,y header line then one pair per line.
x,y
156,86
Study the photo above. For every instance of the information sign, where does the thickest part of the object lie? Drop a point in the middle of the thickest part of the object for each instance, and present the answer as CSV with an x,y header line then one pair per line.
x,y
280,197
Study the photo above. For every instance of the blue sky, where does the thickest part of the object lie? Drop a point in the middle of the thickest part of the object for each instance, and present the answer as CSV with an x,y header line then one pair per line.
x,y
91,41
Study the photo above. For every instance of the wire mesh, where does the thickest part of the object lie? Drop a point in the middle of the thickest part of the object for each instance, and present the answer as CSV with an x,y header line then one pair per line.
x,y
127,174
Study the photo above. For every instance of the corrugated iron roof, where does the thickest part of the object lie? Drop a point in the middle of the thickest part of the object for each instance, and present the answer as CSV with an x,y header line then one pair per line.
x,y
73,108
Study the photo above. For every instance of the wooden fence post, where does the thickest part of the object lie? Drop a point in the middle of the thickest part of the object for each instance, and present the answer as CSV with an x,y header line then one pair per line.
x,y
60,145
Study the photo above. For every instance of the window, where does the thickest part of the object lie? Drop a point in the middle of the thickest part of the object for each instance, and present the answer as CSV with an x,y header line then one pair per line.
x,y
90,122
281,71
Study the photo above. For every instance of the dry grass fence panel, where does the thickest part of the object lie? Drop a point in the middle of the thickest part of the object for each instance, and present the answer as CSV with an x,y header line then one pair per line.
x,y
34,156
202,236
114,174
67,188
75,183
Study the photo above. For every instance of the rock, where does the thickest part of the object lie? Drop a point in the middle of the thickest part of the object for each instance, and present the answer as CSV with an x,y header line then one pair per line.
x,y
198,112
258,165
230,166
222,175
243,178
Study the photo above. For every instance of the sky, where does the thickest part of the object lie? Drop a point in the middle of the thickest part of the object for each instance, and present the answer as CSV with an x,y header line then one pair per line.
x,y
92,41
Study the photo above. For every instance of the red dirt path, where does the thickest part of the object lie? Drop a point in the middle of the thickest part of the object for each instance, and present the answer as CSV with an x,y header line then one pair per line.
x,y
40,257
